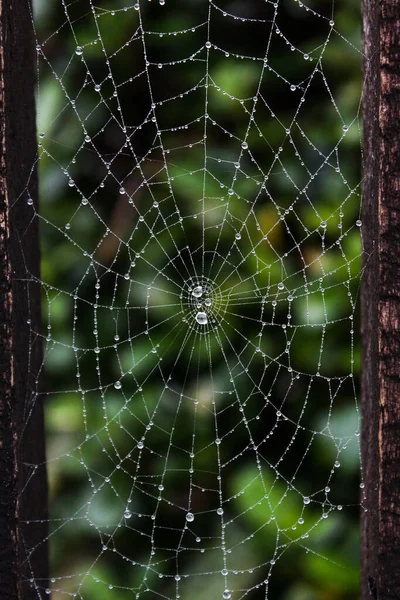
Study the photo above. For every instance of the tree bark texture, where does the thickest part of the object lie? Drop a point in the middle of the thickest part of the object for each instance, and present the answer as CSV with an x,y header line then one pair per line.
x,y
23,484
380,546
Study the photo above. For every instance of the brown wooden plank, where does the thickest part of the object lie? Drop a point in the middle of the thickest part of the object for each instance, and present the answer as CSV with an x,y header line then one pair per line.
x,y
21,410
380,546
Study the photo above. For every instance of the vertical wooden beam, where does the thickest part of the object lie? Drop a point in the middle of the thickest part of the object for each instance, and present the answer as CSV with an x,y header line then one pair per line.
x,y
380,546
23,488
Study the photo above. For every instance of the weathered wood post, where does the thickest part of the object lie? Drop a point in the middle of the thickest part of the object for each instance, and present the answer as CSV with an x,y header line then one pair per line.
x,y
380,545
23,495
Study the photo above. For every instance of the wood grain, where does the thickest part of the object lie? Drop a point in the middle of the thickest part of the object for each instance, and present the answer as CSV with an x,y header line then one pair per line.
x,y
380,546
23,497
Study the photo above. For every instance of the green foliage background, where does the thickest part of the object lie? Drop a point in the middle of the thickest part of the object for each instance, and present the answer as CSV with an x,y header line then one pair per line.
x,y
328,570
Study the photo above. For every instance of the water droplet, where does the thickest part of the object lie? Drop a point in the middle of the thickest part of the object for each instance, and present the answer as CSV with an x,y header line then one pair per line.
x,y
177,577
220,511
245,145
118,385
97,87
207,301
136,6
208,45
161,487
323,224
345,128
78,51
197,291
127,514
190,517
226,595
306,500
293,88
202,318
281,286
358,223
224,572
140,445
238,236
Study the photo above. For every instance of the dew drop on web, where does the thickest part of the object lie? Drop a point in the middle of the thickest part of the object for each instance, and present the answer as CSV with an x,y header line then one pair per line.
x,y
197,291
202,318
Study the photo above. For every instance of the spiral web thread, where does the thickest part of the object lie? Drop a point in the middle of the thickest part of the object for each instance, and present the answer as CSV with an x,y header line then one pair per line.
x,y
210,253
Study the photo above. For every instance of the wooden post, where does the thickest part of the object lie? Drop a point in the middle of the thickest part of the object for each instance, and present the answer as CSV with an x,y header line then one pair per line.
x,y
380,545
23,489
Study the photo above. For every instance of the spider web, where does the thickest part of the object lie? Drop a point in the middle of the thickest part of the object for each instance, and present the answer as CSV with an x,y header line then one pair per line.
x,y
201,241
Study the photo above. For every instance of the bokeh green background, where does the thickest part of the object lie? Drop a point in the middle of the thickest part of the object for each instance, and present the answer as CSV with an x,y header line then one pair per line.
x,y
326,566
